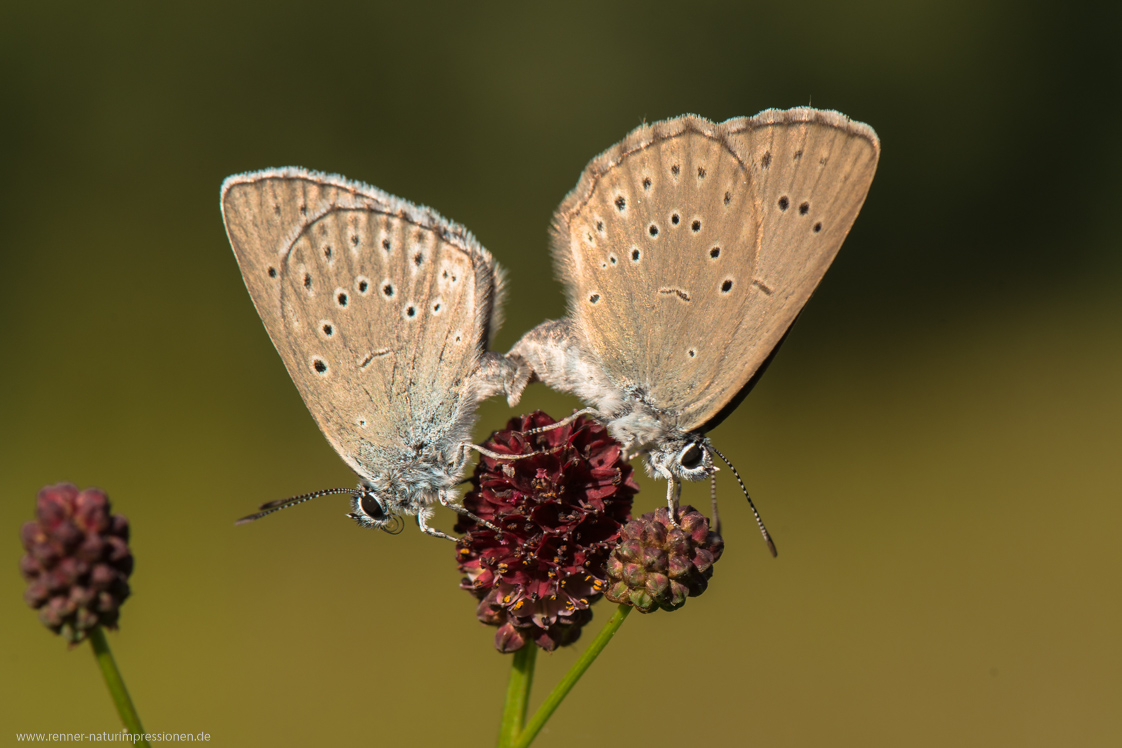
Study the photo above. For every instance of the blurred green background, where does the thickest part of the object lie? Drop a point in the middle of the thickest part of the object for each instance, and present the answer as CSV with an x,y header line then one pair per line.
x,y
936,449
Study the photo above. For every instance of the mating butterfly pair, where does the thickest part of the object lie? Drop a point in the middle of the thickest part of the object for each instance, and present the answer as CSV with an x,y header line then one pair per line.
x,y
687,250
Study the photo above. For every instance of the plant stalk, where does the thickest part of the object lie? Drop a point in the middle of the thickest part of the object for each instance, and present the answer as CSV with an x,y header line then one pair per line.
x,y
116,684
545,711
517,694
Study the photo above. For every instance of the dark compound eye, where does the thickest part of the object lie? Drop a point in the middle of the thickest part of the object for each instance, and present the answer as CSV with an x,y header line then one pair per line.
x,y
369,503
691,457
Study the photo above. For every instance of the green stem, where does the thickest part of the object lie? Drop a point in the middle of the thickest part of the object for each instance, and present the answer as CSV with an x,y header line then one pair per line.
x,y
545,711
116,684
518,694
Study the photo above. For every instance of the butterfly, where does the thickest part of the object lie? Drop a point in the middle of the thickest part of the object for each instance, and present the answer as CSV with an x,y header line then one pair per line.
x,y
687,251
381,311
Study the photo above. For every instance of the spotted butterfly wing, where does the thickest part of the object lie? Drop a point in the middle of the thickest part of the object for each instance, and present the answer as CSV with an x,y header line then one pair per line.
x,y
379,308
688,249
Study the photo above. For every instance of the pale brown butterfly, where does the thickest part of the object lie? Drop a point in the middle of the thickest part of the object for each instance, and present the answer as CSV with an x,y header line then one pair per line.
x,y
381,311
687,250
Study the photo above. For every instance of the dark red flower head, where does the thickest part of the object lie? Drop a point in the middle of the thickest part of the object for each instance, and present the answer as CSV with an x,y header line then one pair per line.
x,y
658,565
78,560
560,511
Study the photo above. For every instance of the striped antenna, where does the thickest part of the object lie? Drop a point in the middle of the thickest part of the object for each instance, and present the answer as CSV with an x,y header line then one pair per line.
x,y
759,520
276,506
715,525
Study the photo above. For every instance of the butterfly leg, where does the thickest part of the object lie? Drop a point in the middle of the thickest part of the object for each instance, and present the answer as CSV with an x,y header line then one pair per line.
x,y
673,492
495,455
564,421
423,518
459,509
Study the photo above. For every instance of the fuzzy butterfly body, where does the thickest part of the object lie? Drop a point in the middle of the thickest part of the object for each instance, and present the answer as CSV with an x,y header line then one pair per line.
x,y
381,311
687,251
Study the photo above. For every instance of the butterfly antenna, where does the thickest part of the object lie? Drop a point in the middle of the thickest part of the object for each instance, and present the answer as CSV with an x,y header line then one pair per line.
x,y
276,506
759,519
715,525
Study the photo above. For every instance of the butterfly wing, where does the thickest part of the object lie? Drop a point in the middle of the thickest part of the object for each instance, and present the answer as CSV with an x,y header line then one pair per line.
x,y
688,249
379,308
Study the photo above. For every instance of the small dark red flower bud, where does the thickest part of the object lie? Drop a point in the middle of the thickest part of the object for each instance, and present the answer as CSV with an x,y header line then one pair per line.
x,y
560,510
77,562
657,565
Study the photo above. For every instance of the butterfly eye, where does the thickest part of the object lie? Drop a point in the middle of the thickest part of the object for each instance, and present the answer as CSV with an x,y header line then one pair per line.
x,y
370,504
691,457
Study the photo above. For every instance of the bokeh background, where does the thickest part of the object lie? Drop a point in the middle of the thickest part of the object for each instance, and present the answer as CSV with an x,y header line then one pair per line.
x,y
936,449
